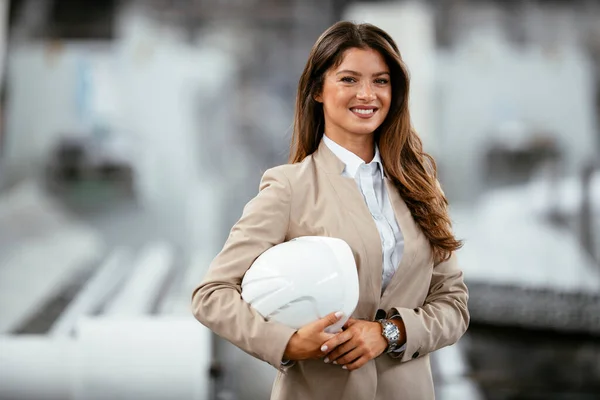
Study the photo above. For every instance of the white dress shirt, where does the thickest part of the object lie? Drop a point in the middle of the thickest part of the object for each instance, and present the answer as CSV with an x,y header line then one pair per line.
x,y
369,178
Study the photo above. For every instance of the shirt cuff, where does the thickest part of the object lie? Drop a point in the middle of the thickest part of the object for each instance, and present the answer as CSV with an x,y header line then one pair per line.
x,y
401,349
286,364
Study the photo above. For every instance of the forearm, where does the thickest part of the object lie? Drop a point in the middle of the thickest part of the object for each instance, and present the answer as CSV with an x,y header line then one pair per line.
x,y
289,354
442,319
222,310
432,327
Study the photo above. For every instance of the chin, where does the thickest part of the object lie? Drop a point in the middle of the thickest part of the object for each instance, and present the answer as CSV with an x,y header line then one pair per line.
x,y
363,130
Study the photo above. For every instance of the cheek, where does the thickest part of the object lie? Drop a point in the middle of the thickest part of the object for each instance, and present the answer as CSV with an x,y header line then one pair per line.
x,y
386,101
344,96
338,99
386,98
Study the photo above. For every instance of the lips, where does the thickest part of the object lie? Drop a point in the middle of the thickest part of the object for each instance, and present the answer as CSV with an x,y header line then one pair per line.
x,y
364,111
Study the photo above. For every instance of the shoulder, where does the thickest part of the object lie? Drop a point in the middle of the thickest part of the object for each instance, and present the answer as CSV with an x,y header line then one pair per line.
x,y
291,174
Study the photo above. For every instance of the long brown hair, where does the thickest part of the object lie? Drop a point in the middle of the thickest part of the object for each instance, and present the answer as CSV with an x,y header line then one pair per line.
x,y
413,172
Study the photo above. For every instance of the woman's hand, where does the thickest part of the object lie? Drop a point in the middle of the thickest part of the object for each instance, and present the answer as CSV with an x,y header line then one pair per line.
x,y
307,341
360,342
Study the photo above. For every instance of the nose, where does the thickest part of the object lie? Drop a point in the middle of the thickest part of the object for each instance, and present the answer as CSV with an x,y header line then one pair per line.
x,y
365,92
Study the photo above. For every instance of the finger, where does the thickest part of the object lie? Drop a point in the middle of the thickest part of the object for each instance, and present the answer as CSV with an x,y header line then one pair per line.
x,y
335,341
341,351
356,364
327,320
351,356
351,321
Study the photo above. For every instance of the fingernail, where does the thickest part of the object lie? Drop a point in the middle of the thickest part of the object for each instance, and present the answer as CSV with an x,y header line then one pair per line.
x,y
335,362
324,348
326,359
338,314
344,367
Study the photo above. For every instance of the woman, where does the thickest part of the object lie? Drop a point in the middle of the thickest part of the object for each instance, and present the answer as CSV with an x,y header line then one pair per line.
x,y
357,172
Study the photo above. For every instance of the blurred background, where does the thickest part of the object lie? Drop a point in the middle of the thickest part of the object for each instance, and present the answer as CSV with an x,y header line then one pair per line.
x,y
133,133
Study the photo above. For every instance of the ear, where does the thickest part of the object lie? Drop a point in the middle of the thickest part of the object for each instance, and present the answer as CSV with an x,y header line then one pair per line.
x,y
318,98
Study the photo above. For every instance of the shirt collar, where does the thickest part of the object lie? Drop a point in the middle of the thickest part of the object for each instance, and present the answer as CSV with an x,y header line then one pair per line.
x,y
351,160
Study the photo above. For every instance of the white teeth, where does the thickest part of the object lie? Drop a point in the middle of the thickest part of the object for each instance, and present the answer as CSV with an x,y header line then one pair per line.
x,y
363,111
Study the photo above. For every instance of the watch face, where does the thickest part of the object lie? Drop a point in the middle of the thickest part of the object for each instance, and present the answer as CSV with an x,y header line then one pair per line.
x,y
391,332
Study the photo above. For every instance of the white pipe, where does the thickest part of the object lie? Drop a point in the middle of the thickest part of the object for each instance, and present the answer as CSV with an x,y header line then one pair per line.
x,y
35,367
141,290
110,358
178,303
96,292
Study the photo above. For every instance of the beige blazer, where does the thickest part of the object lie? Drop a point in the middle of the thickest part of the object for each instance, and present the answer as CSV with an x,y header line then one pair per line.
x,y
313,198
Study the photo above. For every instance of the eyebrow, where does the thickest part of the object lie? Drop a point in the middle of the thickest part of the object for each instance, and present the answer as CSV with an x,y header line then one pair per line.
x,y
348,71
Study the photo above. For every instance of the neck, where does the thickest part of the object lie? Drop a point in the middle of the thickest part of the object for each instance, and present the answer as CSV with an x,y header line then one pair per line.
x,y
361,145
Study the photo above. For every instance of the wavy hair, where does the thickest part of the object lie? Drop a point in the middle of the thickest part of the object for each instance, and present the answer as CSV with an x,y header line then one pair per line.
x,y
412,171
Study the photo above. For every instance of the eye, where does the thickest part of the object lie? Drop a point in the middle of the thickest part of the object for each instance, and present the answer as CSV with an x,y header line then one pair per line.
x,y
382,81
348,79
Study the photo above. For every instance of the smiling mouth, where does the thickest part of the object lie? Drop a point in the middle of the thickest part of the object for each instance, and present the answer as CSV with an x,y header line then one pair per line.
x,y
364,112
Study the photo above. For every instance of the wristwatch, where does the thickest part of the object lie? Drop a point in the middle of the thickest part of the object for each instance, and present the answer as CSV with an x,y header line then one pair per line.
x,y
391,333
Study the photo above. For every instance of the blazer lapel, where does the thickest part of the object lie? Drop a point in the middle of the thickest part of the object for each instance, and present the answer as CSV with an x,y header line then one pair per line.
x,y
361,231
409,230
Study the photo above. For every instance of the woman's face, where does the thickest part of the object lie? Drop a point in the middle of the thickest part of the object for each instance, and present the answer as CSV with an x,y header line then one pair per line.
x,y
356,94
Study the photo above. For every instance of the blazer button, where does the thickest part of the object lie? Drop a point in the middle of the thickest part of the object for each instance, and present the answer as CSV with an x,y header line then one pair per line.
x,y
380,314
415,355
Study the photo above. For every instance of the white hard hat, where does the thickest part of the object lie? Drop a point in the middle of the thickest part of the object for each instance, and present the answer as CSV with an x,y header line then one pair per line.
x,y
300,281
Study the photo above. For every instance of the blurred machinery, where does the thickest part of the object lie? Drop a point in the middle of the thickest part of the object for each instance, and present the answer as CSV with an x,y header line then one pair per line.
x,y
114,339
83,320
532,254
514,162
77,160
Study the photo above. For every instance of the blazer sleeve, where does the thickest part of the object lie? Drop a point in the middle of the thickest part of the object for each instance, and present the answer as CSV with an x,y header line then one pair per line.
x,y
444,316
217,301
